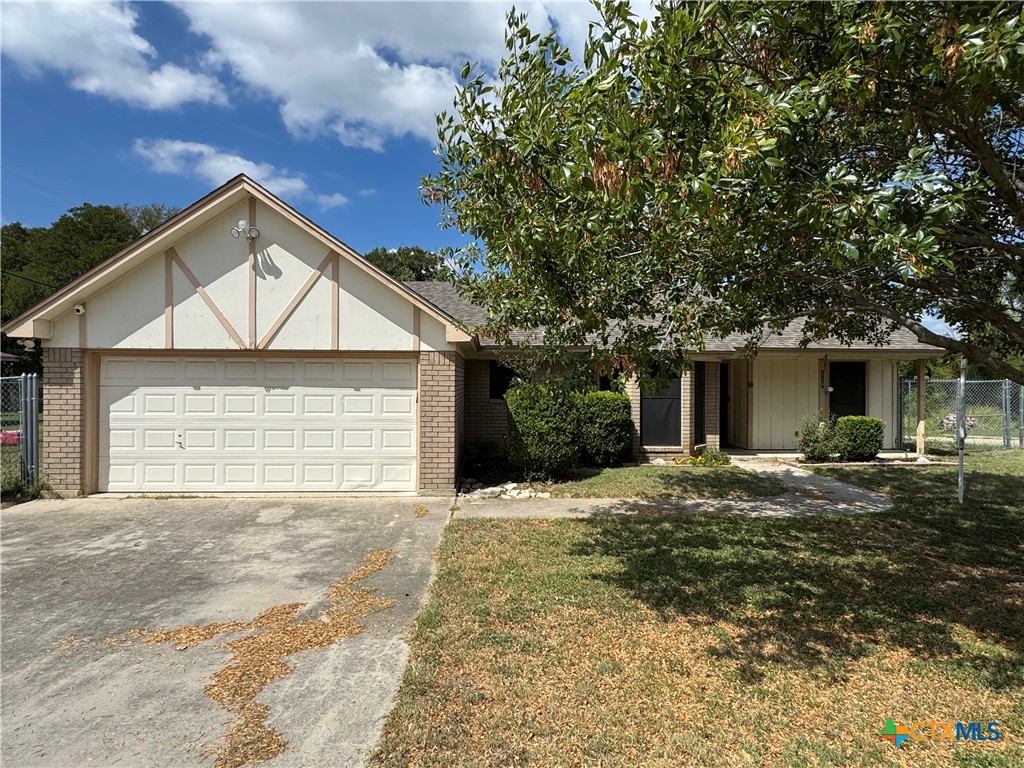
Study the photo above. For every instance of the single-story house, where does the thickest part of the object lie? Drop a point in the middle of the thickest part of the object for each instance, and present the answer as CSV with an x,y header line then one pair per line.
x,y
240,347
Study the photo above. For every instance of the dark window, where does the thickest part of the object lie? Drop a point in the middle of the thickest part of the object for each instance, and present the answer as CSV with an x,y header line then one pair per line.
x,y
849,388
659,415
501,379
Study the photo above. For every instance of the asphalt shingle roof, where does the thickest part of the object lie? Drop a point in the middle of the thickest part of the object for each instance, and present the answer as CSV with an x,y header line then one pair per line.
x,y
447,298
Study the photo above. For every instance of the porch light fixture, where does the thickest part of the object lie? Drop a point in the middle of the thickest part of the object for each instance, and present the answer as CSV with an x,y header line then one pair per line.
x,y
243,228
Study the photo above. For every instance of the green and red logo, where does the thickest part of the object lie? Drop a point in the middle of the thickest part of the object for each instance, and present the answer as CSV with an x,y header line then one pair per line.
x,y
895,734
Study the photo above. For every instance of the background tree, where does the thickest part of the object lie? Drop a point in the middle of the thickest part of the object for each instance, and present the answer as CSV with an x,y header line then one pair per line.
x,y
729,167
37,261
408,262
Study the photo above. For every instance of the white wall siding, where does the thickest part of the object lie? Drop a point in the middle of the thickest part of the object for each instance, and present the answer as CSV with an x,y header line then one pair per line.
x,y
372,315
785,390
129,313
881,396
221,265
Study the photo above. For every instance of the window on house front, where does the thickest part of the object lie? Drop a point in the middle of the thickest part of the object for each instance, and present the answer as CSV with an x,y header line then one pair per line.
x,y
501,379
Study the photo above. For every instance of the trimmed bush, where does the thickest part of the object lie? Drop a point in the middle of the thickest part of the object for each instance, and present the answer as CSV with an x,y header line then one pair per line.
x,y
859,438
606,428
817,440
543,430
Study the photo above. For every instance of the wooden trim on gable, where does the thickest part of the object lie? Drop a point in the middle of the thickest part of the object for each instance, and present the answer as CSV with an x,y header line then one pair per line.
x,y
252,275
303,291
206,297
292,215
168,301
335,300
35,322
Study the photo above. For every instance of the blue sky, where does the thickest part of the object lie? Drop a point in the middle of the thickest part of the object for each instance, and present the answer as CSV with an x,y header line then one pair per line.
x,y
329,104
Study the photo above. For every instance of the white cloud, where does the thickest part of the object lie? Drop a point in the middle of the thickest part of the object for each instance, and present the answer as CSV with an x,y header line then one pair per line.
x,y
362,72
938,324
95,45
331,201
214,166
367,72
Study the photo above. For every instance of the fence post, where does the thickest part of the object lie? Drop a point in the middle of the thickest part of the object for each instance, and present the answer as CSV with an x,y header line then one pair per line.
x,y
961,427
23,424
920,408
1007,418
33,400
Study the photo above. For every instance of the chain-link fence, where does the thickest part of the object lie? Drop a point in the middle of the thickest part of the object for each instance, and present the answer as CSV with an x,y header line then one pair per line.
x,y
995,414
19,432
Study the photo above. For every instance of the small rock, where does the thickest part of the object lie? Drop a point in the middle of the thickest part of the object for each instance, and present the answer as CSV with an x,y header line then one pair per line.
x,y
659,462
923,460
509,486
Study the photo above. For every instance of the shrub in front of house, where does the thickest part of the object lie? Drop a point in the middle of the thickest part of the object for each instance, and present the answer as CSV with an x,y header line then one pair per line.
x,y
817,439
606,428
859,438
543,430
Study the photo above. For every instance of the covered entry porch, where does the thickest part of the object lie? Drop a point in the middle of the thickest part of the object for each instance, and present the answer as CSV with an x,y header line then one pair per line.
x,y
758,404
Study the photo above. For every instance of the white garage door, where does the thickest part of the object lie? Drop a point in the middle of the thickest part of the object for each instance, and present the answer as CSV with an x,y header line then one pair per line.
x,y
257,424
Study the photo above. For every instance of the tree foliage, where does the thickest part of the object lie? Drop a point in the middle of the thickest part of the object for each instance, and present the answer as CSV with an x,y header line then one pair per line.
x,y
730,166
37,261
408,262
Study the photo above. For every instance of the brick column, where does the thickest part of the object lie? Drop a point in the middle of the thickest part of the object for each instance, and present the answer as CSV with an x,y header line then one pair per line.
x,y
440,420
686,409
63,455
712,398
633,390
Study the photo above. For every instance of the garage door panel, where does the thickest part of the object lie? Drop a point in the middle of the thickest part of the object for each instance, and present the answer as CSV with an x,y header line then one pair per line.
x,y
183,424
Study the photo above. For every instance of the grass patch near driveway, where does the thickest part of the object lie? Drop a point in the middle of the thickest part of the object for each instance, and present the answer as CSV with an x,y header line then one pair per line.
x,y
712,640
657,482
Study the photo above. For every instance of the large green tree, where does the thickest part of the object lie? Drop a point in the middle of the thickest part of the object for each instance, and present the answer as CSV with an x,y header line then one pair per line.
x,y
36,261
408,262
727,167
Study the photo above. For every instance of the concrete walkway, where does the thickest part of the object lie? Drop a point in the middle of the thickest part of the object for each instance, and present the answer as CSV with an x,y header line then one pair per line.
x,y
806,494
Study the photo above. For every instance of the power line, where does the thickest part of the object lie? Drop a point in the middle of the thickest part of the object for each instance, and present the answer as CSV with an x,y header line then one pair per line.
x,y
28,279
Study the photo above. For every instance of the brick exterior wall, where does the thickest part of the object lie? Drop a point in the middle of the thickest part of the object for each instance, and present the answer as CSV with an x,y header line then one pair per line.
x,y
486,419
440,441
686,393
460,412
62,451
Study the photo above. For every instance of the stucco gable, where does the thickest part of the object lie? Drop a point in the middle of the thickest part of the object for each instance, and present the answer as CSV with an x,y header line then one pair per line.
x,y
189,285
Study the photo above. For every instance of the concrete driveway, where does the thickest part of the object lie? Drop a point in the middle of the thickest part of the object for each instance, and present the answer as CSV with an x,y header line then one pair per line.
x,y
80,579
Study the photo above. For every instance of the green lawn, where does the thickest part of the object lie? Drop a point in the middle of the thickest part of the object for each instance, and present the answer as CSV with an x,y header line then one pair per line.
x,y
657,482
683,640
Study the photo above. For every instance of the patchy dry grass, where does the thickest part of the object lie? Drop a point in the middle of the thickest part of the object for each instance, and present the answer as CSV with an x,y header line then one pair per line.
x,y
724,641
655,482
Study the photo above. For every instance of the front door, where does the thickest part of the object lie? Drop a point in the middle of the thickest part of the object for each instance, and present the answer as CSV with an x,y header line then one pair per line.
x,y
660,422
848,381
